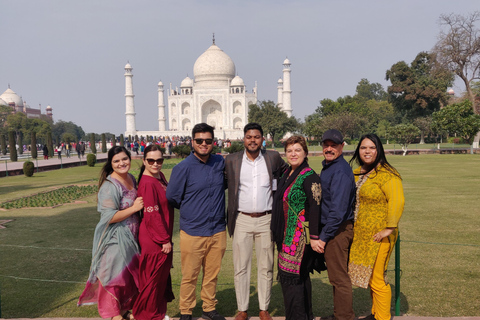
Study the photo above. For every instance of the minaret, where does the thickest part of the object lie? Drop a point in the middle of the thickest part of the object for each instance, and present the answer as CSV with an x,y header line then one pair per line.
x,y
287,92
129,105
280,94
161,108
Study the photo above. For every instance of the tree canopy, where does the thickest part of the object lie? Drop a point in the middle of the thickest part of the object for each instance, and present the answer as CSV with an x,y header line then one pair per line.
x,y
458,48
274,121
418,89
60,127
457,119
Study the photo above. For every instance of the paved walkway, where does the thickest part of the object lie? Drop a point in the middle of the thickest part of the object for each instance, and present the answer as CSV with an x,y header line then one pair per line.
x,y
44,165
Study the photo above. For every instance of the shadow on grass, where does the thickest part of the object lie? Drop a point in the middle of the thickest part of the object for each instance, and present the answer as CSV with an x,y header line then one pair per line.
x,y
36,281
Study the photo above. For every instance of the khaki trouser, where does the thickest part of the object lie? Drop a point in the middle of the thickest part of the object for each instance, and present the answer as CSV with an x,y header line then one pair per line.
x,y
197,252
247,231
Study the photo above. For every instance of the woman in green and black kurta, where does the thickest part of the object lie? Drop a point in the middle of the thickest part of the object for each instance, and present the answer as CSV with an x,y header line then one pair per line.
x,y
296,211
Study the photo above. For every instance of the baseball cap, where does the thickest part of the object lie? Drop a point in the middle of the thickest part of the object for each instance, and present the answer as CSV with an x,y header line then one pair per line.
x,y
333,135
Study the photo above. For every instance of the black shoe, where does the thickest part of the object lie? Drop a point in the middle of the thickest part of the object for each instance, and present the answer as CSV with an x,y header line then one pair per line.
x,y
212,315
185,317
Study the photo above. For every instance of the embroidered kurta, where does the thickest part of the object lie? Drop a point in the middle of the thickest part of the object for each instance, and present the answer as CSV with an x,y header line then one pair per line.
x,y
299,199
380,203
113,278
156,228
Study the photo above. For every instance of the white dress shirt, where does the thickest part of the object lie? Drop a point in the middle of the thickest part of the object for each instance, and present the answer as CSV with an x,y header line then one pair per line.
x,y
254,191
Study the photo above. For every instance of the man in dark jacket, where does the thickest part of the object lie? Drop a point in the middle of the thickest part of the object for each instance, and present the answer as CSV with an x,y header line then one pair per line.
x,y
251,176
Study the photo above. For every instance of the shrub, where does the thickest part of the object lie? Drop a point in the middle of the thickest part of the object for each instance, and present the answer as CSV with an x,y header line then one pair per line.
x,y
235,147
122,140
182,151
92,143
91,159
456,140
28,168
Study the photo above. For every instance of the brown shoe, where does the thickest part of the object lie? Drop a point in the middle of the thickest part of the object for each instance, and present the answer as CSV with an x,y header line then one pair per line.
x,y
241,315
264,315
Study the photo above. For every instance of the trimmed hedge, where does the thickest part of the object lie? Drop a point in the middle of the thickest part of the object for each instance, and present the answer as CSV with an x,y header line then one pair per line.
x,y
28,168
91,159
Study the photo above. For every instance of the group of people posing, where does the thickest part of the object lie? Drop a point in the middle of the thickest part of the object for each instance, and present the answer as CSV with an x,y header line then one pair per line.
x,y
341,220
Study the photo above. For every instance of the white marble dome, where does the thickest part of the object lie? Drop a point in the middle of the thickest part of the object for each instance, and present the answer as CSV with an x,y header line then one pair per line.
x,y
10,96
237,81
3,103
186,83
286,61
213,65
128,66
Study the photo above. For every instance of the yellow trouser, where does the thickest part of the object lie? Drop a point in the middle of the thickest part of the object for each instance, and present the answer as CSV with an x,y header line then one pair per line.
x,y
380,291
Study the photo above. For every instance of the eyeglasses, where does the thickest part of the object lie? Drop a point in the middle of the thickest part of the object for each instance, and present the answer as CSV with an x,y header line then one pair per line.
x,y
200,141
152,161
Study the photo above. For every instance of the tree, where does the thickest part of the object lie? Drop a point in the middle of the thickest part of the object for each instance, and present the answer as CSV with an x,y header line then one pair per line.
x,y
405,135
12,148
122,140
370,91
3,144
458,119
104,143
61,127
114,141
419,89
458,48
50,144
33,145
274,121
424,124
4,112
20,142
93,148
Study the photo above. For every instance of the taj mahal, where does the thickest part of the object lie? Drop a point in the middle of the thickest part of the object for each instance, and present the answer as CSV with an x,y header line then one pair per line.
x,y
216,95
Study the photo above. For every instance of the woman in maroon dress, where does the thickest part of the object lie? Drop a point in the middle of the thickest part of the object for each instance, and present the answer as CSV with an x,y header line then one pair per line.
x,y
155,238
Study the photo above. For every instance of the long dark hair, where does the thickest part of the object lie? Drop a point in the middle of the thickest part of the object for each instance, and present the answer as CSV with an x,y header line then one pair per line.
x,y
152,147
107,168
381,159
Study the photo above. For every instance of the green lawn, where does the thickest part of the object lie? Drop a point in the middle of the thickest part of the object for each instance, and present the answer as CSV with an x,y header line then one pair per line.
x,y
45,253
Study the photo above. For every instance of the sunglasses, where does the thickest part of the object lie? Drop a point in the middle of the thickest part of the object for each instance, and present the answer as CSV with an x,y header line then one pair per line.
x,y
200,141
152,161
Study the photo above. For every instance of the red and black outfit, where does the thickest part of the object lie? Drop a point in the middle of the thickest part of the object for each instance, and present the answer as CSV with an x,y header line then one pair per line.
x,y
155,285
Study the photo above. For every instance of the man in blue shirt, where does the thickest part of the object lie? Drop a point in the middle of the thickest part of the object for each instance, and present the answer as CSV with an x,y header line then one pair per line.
x,y
338,196
197,188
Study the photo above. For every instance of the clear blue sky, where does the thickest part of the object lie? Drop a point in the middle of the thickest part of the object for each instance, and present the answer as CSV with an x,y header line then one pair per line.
x,y
70,54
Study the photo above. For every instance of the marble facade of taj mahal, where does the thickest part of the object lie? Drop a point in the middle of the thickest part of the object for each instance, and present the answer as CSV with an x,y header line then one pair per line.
x,y
215,95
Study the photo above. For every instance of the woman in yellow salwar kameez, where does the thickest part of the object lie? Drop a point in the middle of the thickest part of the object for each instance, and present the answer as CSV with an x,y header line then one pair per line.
x,y
378,208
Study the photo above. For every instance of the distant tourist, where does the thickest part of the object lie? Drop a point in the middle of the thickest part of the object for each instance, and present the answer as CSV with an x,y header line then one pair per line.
x,y
45,152
197,188
155,239
113,278
78,148
58,150
379,206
